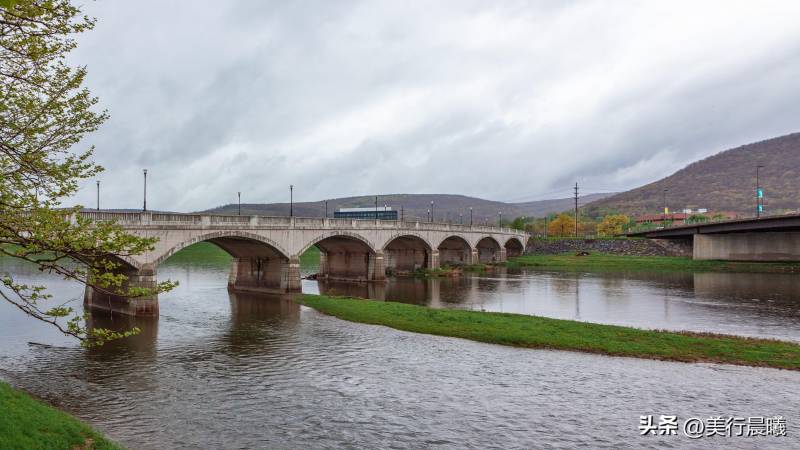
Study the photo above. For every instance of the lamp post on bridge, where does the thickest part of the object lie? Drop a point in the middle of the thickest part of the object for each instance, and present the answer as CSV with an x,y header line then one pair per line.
x,y
664,222
500,219
431,211
144,205
98,195
470,216
376,207
326,209
239,194
291,200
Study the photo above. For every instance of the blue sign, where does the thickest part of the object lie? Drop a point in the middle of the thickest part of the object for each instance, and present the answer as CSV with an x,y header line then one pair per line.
x,y
760,208
760,193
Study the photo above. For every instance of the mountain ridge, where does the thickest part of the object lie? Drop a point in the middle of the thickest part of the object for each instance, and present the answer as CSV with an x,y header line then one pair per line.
x,y
725,181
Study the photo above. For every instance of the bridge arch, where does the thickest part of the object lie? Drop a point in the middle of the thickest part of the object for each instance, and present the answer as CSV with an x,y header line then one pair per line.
x,y
337,234
455,250
514,247
346,256
219,239
406,252
489,250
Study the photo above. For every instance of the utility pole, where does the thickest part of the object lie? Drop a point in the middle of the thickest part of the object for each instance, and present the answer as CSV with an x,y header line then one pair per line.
x,y
576,209
291,200
759,193
664,222
239,195
545,226
144,206
98,195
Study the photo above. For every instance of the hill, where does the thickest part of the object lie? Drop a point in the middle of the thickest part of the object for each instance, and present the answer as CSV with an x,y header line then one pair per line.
x,y
445,207
722,182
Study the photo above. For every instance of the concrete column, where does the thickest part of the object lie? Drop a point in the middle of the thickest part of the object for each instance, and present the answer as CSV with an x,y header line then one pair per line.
x,y
474,256
503,255
323,264
293,283
378,267
754,246
108,301
434,262
260,274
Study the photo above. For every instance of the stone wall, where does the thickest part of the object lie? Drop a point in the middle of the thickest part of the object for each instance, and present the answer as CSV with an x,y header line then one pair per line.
x,y
628,247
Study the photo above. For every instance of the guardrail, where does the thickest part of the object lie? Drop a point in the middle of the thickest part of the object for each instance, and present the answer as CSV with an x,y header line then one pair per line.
x,y
173,219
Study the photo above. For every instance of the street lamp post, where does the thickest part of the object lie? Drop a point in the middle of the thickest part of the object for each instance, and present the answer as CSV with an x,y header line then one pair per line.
x,y
326,209
239,194
429,214
376,207
431,211
98,195
664,222
291,200
759,193
461,218
470,216
144,205
499,219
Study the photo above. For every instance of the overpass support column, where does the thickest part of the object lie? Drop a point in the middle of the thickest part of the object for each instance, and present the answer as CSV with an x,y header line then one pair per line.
x,y
377,267
293,283
111,302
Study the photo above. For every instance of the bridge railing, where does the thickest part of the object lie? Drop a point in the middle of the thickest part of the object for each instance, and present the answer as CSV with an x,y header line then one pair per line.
x,y
177,219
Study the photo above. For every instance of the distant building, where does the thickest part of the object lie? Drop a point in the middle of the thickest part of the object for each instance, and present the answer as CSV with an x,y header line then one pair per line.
x,y
675,218
382,213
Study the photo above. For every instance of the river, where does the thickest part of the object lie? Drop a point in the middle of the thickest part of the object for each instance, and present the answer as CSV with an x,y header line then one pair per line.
x,y
220,370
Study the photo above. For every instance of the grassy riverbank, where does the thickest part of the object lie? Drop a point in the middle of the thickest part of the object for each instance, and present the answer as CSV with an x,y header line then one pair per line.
x,y
541,332
600,262
26,423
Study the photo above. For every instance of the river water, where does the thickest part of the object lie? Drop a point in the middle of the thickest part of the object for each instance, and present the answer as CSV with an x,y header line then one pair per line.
x,y
220,370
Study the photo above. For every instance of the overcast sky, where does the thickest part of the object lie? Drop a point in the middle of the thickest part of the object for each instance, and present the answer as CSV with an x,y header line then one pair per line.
x,y
503,100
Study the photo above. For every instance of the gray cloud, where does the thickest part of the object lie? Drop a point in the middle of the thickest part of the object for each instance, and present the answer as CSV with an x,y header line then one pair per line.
x,y
505,100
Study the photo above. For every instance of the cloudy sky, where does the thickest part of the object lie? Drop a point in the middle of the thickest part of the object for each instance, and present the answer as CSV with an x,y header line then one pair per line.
x,y
506,100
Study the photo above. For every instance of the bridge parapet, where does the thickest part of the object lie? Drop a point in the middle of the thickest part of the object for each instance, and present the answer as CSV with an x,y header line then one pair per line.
x,y
146,218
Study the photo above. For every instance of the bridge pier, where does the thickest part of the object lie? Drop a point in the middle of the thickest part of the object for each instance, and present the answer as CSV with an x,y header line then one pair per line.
x,y
378,267
105,301
434,262
263,274
474,256
763,246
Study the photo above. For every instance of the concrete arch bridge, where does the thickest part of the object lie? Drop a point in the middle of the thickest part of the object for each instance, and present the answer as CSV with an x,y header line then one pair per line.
x,y
266,250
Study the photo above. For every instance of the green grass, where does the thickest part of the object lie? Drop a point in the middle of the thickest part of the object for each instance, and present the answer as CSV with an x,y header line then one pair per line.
x,y
26,424
601,262
541,332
